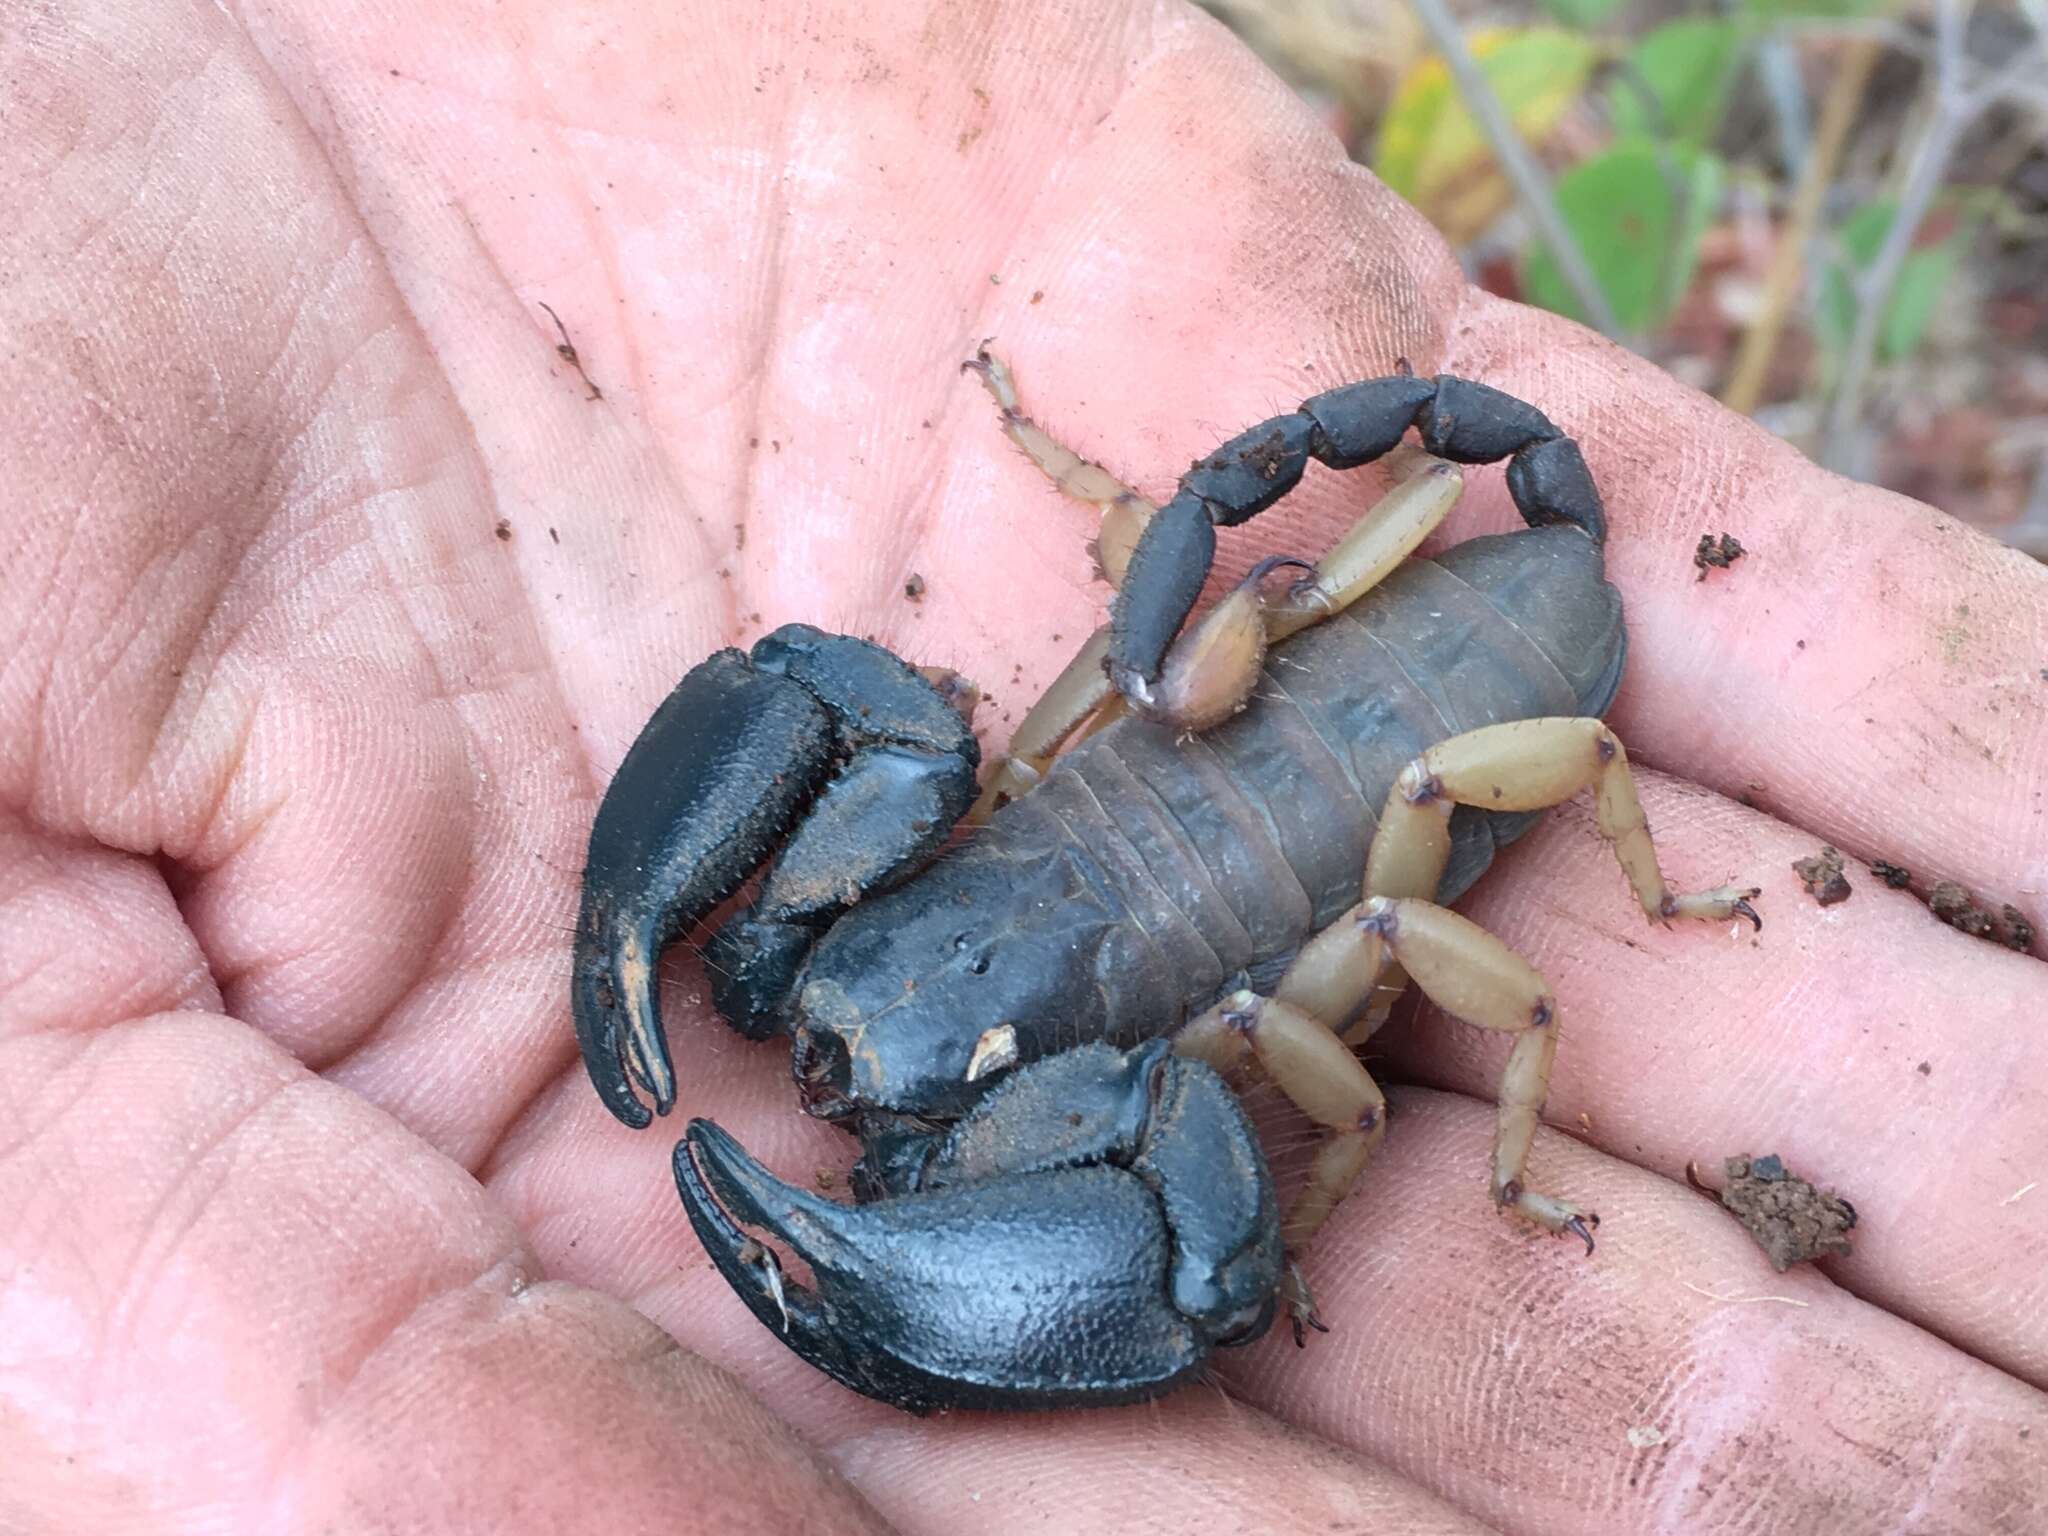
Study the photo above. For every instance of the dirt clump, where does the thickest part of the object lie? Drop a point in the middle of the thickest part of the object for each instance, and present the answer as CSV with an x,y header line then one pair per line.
x,y
1954,905
1823,877
1716,554
1790,1219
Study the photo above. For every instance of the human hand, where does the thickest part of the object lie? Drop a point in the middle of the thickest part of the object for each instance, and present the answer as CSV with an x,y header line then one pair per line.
x,y
333,596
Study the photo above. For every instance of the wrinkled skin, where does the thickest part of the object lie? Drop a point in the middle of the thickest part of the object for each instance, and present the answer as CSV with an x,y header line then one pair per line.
x,y
308,1217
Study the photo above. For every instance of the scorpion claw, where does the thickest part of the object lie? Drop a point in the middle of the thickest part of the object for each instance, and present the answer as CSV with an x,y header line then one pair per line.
x,y
618,1031
706,1159
970,1297
828,741
1301,1305
1578,1226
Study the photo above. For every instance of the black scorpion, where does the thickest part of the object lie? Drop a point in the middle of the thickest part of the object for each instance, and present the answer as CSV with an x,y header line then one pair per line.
x,y
1058,1198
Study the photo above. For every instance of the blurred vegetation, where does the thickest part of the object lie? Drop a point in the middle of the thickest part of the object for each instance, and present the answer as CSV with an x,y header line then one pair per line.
x,y
1831,213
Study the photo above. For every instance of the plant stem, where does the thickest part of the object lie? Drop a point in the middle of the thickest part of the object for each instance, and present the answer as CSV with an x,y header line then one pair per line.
x,y
1837,115
1954,108
1532,187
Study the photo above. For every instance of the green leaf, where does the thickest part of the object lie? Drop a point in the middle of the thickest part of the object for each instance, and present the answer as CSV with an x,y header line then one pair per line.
x,y
1684,68
1705,176
1430,149
1618,205
1922,277
1791,10
1864,231
1581,14
1836,316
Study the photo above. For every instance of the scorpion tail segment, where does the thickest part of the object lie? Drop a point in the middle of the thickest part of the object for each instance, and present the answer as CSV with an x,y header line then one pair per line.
x,y
718,775
1161,583
1551,484
1457,419
1472,423
1547,475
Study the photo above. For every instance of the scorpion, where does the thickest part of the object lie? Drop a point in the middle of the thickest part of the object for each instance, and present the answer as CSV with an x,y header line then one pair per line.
x,y
1245,851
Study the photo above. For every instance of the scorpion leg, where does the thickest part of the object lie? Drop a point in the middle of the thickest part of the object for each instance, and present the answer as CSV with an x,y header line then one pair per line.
x,y
1531,765
1524,765
1086,1234
1080,696
1124,512
829,740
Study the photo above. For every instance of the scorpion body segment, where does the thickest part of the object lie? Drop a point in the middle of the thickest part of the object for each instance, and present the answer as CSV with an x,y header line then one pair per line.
x,y
1148,874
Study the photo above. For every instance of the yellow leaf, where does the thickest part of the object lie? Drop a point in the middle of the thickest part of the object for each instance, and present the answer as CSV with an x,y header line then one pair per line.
x,y
1430,148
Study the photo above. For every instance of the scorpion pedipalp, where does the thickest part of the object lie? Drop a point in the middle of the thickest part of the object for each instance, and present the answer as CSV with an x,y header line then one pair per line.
x,y
824,739
1082,1236
671,840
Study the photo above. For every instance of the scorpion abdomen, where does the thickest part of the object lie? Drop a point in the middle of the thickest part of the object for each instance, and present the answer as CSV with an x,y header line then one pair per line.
x,y
1150,871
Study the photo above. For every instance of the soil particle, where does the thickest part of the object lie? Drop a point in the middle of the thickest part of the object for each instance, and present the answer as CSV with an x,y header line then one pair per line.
x,y
2019,933
1954,905
1790,1219
914,588
1716,553
1823,877
1897,876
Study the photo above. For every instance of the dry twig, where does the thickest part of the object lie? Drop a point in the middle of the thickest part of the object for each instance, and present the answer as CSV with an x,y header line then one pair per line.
x,y
1532,187
1958,98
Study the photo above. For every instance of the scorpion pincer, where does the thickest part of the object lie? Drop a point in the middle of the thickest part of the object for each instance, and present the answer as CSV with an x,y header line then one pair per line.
x,y
1248,853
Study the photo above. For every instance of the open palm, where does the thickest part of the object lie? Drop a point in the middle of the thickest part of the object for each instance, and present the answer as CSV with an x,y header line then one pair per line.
x,y
332,593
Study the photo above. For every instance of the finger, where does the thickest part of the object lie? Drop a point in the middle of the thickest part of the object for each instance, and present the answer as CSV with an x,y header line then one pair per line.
x,y
1876,1050
1670,1391
1190,1464
1197,1463
1870,670
236,1294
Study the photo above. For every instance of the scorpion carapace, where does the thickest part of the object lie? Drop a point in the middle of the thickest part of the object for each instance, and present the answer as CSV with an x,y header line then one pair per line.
x,y
1058,1200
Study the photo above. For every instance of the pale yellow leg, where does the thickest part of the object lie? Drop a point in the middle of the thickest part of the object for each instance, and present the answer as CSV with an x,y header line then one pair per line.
x,y
1360,960
1124,511
1531,765
1324,1080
